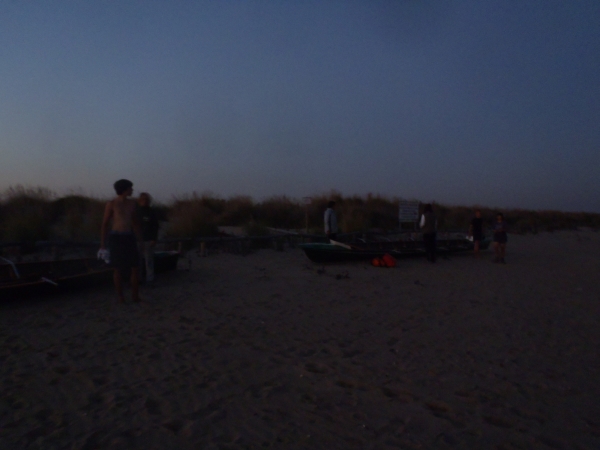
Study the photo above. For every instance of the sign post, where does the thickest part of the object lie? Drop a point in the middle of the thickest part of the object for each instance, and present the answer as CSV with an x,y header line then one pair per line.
x,y
408,212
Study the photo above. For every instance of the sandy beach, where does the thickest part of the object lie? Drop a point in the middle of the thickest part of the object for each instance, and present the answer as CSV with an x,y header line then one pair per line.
x,y
270,350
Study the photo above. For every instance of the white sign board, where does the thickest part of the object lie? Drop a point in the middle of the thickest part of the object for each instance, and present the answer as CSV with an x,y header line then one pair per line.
x,y
408,211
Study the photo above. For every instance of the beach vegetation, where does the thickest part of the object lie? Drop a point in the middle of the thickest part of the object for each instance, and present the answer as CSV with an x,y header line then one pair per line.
x,y
29,214
24,214
76,218
192,216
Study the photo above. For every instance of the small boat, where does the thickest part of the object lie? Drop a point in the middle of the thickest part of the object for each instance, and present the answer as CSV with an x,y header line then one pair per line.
x,y
322,252
397,247
39,278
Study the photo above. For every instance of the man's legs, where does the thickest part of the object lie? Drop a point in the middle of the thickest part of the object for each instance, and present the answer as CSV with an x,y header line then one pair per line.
x,y
476,248
118,285
135,285
429,239
149,258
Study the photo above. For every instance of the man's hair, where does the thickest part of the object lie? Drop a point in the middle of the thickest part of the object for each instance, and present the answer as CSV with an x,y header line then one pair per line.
x,y
331,204
146,196
428,208
122,185
500,214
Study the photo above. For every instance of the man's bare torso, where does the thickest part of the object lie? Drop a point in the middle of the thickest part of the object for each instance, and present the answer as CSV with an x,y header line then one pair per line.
x,y
123,212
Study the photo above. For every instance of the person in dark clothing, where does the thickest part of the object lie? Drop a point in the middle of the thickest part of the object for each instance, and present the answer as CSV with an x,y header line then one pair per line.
x,y
500,238
476,231
428,226
149,223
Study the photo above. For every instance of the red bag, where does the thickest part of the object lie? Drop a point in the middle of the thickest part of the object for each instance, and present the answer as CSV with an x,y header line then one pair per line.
x,y
386,260
389,260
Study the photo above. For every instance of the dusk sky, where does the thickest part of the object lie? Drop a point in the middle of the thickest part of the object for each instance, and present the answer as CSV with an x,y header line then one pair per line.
x,y
484,102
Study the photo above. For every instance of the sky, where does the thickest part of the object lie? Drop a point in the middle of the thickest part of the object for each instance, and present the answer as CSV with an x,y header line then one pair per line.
x,y
495,103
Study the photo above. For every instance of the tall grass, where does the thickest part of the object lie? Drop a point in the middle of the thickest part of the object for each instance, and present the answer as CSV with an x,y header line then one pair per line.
x,y
76,218
35,213
24,214
194,216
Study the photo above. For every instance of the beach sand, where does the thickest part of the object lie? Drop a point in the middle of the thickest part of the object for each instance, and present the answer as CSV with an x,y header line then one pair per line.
x,y
270,350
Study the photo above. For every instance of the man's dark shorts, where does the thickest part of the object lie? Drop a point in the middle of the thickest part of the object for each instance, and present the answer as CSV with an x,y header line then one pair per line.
x,y
477,237
123,251
500,238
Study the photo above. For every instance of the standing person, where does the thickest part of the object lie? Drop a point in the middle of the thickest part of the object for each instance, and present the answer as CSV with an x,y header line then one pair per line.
x,y
331,228
428,225
149,223
476,231
500,238
124,256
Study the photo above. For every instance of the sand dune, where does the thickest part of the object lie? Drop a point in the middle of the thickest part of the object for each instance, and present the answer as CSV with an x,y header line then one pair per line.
x,y
271,351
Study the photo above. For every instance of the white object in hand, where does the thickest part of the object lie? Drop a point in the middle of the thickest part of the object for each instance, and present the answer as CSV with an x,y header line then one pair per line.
x,y
104,254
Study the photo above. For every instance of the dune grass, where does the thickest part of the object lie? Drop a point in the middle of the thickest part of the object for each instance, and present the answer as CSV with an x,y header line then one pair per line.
x,y
30,214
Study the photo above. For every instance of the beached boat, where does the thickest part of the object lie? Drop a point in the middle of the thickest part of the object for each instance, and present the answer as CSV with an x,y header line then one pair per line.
x,y
397,246
322,252
18,280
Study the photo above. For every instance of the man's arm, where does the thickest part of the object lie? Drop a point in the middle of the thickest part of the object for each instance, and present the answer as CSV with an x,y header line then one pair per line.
x,y
108,213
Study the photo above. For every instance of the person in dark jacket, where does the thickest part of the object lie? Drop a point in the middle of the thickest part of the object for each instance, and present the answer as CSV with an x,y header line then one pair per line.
x,y
476,231
500,238
428,225
149,223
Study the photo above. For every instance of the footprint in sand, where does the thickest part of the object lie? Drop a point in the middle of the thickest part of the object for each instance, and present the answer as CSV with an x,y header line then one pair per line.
x,y
62,370
174,425
351,353
152,406
316,368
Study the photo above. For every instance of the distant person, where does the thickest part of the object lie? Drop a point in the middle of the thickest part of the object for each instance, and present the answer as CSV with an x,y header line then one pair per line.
x,y
500,238
149,224
331,228
124,256
428,225
476,231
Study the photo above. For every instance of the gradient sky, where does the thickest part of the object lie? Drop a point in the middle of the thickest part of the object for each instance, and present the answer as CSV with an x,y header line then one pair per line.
x,y
461,102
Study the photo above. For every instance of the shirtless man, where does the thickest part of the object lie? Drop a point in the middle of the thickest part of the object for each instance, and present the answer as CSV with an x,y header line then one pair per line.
x,y
122,241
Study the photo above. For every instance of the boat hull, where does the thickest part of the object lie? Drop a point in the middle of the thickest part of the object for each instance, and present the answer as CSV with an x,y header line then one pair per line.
x,y
50,277
324,253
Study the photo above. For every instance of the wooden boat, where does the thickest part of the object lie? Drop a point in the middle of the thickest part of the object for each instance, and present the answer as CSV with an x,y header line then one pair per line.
x,y
323,252
39,278
408,245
